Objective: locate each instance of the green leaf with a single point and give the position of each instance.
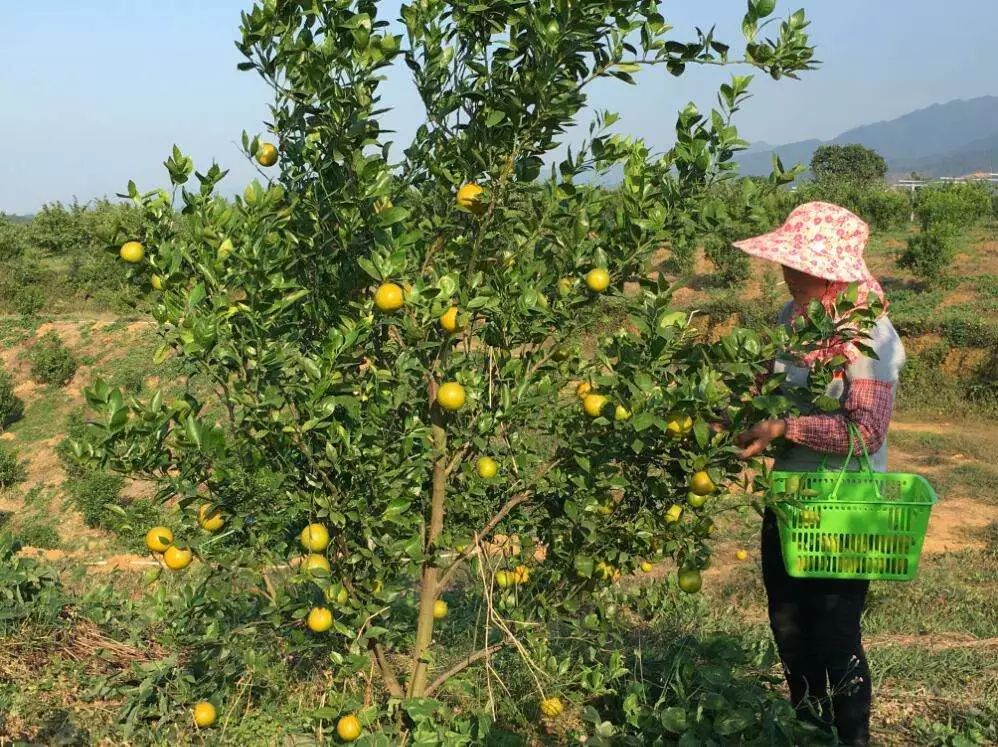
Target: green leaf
(584, 565)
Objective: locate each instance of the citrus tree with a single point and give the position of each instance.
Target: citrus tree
(450, 374)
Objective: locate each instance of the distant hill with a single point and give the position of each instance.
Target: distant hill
(949, 139)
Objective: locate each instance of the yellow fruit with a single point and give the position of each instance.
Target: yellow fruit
(504, 579)
(319, 620)
(224, 249)
(450, 396)
(157, 282)
(583, 389)
(521, 574)
(469, 198)
(621, 413)
(646, 566)
(448, 320)
(266, 154)
(159, 538)
(487, 467)
(177, 558)
(606, 571)
(132, 252)
(314, 537)
(315, 562)
(701, 484)
(348, 728)
(829, 544)
(598, 280)
(689, 580)
(673, 514)
(460, 547)
(696, 501)
(565, 286)
(552, 707)
(204, 714)
(741, 554)
(439, 609)
(389, 297)
(679, 425)
(210, 518)
(593, 404)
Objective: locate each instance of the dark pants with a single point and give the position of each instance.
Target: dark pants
(816, 626)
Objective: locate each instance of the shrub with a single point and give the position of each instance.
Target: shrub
(951, 207)
(94, 493)
(35, 532)
(28, 590)
(29, 301)
(11, 470)
(13, 240)
(11, 406)
(51, 361)
(731, 265)
(853, 162)
(928, 254)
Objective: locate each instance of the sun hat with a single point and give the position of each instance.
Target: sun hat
(819, 238)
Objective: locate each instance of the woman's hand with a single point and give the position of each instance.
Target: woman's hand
(757, 438)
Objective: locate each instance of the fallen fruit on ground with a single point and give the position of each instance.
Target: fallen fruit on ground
(204, 714)
(158, 539)
(696, 500)
(210, 518)
(521, 574)
(177, 558)
(450, 396)
(583, 389)
(132, 252)
(389, 297)
(689, 580)
(741, 554)
(266, 154)
(487, 467)
(646, 566)
(598, 280)
(348, 728)
(469, 198)
(552, 707)
(314, 537)
(504, 579)
(439, 609)
(319, 620)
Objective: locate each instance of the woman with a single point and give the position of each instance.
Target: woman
(816, 622)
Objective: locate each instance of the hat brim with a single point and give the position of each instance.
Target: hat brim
(777, 246)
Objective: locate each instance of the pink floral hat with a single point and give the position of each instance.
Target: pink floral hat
(821, 239)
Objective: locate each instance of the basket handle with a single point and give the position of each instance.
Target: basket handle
(854, 433)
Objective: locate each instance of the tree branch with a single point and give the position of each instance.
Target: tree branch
(386, 670)
(472, 658)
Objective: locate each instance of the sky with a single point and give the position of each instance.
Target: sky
(96, 92)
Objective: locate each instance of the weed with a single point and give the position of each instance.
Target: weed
(51, 360)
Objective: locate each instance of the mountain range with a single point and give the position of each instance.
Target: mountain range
(950, 139)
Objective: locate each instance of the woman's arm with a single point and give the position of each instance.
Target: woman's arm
(868, 405)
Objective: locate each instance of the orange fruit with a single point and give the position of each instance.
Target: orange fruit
(319, 620)
(505, 579)
(439, 609)
(695, 500)
(389, 297)
(315, 562)
(204, 714)
(673, 514)
(741, 554)
(157, 282)
(646, 566)
(679, 425)
(621, 413)
(469, 198)
(701, 484)
(598, 280)
(689, 580)
(521, 574)
(177, 558)
(132, 252)
(314, 537)
(348, 728)
(158, 539)
(487, 467)
(552, 707)
(210, 518)
(448, 320)
(450, 396)
(593, 404)
(266, 154)
(583, 389)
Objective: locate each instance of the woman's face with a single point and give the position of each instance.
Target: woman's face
(803, 287)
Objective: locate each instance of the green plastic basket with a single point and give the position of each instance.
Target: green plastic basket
(852, 525)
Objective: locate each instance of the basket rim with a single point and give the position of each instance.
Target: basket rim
(931, 497)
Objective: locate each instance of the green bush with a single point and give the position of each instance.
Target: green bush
(928, 254)
(11, 470)
(731, 265)
(952, 207)
(11, 406)
(28, 590)
(29, 301)
(36, 532)
(876, 203)
(13, 239)
(94, 493)
(51, 361)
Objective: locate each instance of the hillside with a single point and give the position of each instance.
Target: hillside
(948, 139)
